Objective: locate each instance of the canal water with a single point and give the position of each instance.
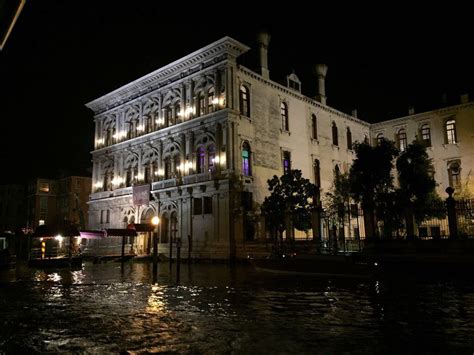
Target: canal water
(218, 309)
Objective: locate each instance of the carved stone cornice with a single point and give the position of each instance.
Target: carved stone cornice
(223, 49)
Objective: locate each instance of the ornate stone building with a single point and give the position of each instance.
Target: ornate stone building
(205, 133)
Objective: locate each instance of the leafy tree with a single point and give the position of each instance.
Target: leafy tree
(338, 199)
(416, 184)
(371, 179)
(291, 198)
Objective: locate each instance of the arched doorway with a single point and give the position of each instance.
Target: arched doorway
(146, 218)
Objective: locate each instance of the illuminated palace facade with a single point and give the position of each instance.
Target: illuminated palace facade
(205, 134)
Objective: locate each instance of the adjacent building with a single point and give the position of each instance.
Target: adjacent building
(12, 208)
(195, 142)
(54, 201)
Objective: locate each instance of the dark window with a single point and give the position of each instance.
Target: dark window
(197, 208)
(286, 162)
(349, 138)
(294, 85)
(207, 205)
(314, 127)
(246, 169)
(246, 199)
(284, 116)
(244, 101)
(335, 139)
(337, 172)
(379, 138)
(201, 160)
(167, 168)
(317, 173)
(107, 219)
(454, 173)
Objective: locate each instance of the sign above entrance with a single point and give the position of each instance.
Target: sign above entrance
(141, 195)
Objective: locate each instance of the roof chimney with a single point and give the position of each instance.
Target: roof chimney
(464, 98)
(354, 113)
(320, 70)
(411, 110)
(263, 39)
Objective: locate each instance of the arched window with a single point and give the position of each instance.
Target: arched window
(349, 138)
(246, 168)
(402, 139)
(210, 100)
(451, 132)
(244, 98)
(425, 134)
(149, 124)
(177, 165)
(335, 139)
(211, 157)
(454, 173)
(201, 160)
(167, 163)
(314, 127)
(317, 173)
(177, 112)
(284, 117)
(147, 176)
(168, 115)
(202, 104)
(128, 179)
(379, 138)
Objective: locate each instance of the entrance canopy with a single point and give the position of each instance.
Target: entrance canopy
(108, 232)
(141, 227)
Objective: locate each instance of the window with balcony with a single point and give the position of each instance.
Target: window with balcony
(201, 160)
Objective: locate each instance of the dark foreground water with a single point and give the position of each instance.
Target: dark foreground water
(217, 309)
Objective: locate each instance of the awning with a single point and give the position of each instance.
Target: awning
(92, 234)
(120, 233)
(141, 227)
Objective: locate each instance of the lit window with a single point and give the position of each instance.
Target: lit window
(335, 139)
(246, 159)
(210, 100)
(44, 186)
(426, 134)
(286, 162)
(211, 158)
(244, 101)
(314, 127)
(402, 139)
(177, 110)
(451, 132)
(202, 104)
(41, 222)
(284, 117)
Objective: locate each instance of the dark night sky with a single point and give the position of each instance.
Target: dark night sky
(63, 54)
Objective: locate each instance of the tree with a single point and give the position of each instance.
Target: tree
(371, 179)
(290, 201)
(416, 185)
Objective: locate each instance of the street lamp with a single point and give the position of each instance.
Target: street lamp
(155, 221)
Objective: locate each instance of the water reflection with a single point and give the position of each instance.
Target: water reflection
(218, 309)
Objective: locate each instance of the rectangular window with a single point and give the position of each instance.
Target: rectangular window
(246, 198)
(197, 207)
(207, 205)
(286, 162)
(43, 204)
(44, 186)
(451, 132)
(107, 220)
(102, 216)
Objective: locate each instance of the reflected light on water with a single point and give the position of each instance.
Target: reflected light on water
(156, 302)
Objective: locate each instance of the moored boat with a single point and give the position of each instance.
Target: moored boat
(316, 265)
